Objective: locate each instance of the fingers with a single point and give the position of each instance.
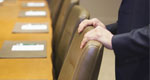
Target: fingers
(97, 22)
(93, 22)
(94, 34)
(83, 43)
(84, 24)
(99, 34)
(88, 36)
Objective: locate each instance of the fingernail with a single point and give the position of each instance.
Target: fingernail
(80, 47)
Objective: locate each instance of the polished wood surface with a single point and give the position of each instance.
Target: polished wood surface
(24, 69)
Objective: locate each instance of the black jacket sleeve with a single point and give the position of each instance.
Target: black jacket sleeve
(112, 27)
(134, 43)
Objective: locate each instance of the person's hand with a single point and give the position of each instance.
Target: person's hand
(99, 34)
(92, 22)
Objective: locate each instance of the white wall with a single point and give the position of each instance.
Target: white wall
(105, 10)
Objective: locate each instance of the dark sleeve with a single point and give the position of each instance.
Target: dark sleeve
(112, 27)
(134, 43)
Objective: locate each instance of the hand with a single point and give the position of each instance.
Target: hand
(99, 34)
(93, 22)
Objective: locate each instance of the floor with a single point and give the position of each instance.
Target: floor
(107, 12)
(107, 70)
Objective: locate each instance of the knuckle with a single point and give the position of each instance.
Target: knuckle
(88, 37)
(95, 19)
(85, 35)
(98, 35)
(97, 30)
(80, 25)
(85, 21)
